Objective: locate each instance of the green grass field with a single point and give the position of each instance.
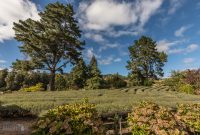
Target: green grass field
(106, 100)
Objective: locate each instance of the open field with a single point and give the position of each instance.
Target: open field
(106, 100)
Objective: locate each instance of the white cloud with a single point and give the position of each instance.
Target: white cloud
(175, 5)
(90, 53)
(12, 11)
(192, 47)
(106, 46)
(172, 47)
(188, 60)
(165, 45)
(95, 37)
(118, 60)
(2, 61)
(180, 31)
(103, 15)
(109, 60)
(106, 61)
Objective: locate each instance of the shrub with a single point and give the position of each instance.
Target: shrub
(14, 111)
(60, 82)
(74, 119)
(150, 118)
(115, 81)
(190, 116)
(187, 88)
(37, 87)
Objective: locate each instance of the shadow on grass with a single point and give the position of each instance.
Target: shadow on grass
(14, 111)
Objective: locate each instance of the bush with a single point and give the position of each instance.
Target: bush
(190, 115)
(150, 118)
(37, 87)
(60, 82)
(74, 119)
(187, 88)
(114, 81)
(14, 111)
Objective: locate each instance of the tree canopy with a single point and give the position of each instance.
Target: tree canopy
(53, 41)
(146, 62)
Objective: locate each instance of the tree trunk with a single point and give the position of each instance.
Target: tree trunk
(52, 81)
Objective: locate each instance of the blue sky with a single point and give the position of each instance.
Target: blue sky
(110, 26)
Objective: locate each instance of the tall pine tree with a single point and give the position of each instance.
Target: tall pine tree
(146, 62)
(53, 41)
(79, 75)
(95, 78)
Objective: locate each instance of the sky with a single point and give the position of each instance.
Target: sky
(109, 27)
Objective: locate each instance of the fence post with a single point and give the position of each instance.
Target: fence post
(120, 125)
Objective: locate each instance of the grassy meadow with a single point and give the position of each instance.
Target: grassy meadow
(117, 100)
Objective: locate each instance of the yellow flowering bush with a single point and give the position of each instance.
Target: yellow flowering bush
(37, 87)
(71, 119)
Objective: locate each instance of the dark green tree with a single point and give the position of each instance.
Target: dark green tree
(115, 81)
(15, 80)
(79, 75)
(25, 65)
(3, 75)
(146, 62)
(95, 78)
(60, 82)
(53, 41)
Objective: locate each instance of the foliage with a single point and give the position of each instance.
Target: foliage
(31, 79)
(60, 82)
(37, 87)
(75, 119)
(14, 111)
(145, 61)
(115, 81)
(25, 65)
(3, 74)
(192, 77)
(190, 116)
(181, 81)
(175, 80)
(14, 80)
(95, 77)
(79, 75)
(53, 41)
(150, 118)
(187, 88)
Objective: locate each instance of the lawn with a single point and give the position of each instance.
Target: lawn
(106, 100)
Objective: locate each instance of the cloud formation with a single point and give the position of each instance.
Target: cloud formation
(180, 31)
(175, 5)
(174, 48)
(101, 15)
(12, 11)
(109, 60)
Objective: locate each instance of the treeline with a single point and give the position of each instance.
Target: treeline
(81, 76)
